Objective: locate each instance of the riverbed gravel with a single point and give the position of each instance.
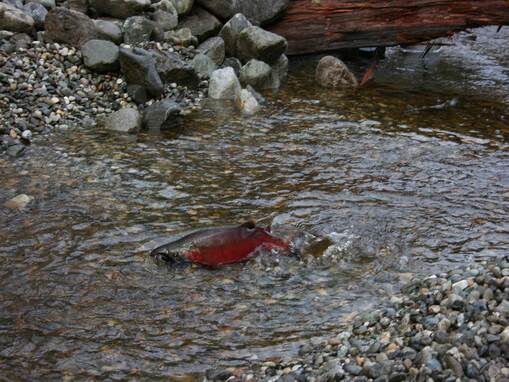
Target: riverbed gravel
(450, 326)
(45, 86)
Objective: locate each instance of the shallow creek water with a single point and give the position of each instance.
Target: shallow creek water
(409, 174)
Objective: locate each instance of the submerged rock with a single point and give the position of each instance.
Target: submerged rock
(247, 103)
(16, 150)
(255, 42)
(224, 84)
(127, 120)
(100, 56)
(138, 65)
(18, 202)
(279, 72)
(332, 72)
(67, 26)
(201, 23)
(162, 115)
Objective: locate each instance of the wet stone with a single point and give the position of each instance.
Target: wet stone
(374, 370)
(214, 49)
(218, 374)
(15, 150)
(100, 56)
(139, 67)
(353, 369)
(182, 36)
(162, 115)
(255, 42)
(18, 202)
(166, 20)
(108, 30)
(137, 29)
(201, 23)
(127, 120)
(234, 63)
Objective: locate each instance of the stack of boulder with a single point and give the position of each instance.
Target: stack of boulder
(200, 43)
(255, 60)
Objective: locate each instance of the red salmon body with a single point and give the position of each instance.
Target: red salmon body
(219, 246)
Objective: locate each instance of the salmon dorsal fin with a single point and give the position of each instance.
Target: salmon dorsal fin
(250, 224)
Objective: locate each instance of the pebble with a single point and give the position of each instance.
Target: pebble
(18, 202)
(27, 134)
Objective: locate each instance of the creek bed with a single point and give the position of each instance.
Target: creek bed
(408, 175)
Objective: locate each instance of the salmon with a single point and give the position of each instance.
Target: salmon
(218, 246)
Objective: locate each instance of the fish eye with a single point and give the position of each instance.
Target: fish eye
(249, 225)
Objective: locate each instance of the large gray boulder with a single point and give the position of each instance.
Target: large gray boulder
(119, 8)
(203, 65)
(182, 36)
(255, 42)
(172, 68)
(224, 84)
(259, 12)
(166, 20)
(331, 72)
(213, 48)
(100, 56)
(68, 26)
(230, 32)
(138, 65)
(137, 30)
(162, 115)
(255, 73)
(201, 23)
(15, 20)
(37, 12)
(127, 120)
(108, 30)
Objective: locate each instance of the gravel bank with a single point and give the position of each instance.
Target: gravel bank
(44, 86)
(451, 326)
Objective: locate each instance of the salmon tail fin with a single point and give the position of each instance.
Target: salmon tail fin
(162, 255)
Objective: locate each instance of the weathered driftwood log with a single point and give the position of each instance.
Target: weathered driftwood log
(321, 25)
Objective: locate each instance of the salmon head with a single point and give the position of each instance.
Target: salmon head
(261, 236)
